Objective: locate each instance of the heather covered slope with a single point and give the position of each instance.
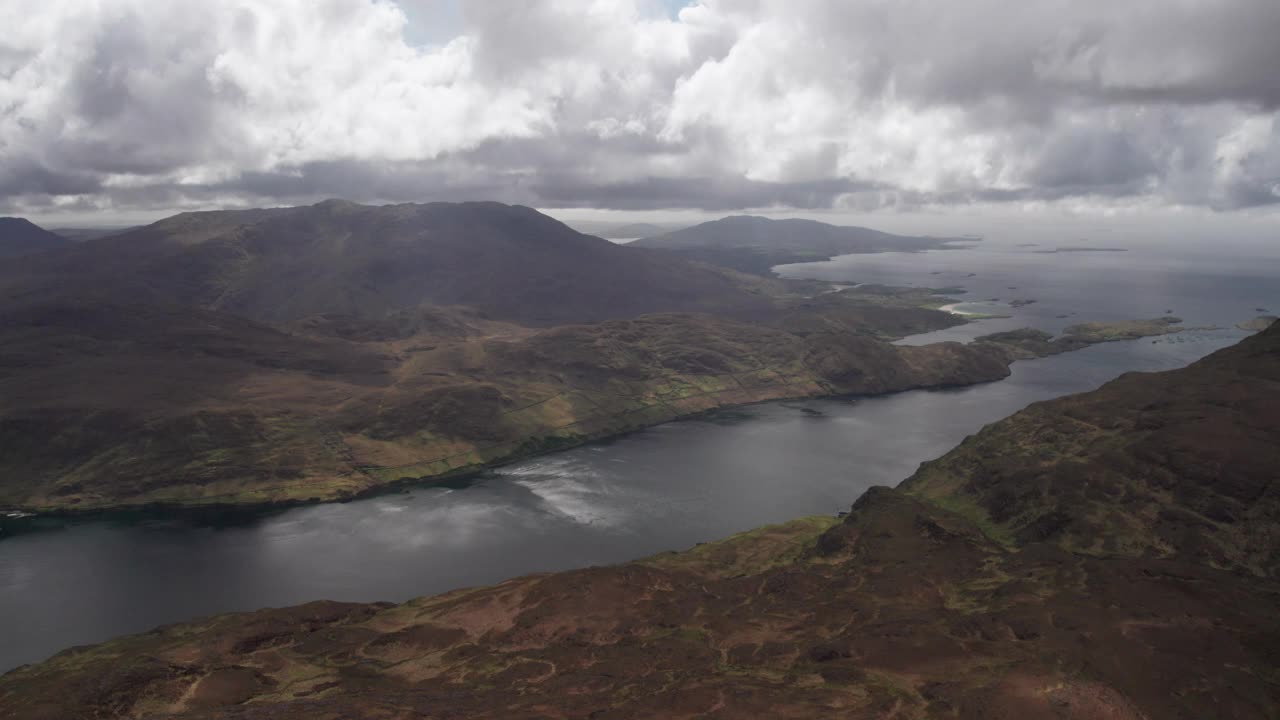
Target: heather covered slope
(19, 236)
(755, 244)
(1182, 464)
(920, 604)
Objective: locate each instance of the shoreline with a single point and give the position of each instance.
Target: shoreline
(392, 487)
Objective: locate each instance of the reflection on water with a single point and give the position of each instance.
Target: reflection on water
(668, 487)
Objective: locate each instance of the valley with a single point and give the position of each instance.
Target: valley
(987, 585)
(309, 354)
(678, 359)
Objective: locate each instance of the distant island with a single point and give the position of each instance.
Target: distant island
(1080, 249)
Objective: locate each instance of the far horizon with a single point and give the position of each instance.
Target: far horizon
(1147, 226)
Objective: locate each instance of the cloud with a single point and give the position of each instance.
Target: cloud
(128, 104)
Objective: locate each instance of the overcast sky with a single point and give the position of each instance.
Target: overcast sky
(113, 108)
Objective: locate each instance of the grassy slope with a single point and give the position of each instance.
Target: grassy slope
(914, 606)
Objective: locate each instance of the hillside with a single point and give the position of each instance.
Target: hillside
(1178, 464)
(23, 237)
(109, 406)
(1151, 593)
(755, 244)
(283, 265)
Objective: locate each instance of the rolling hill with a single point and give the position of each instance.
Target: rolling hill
(755, 244)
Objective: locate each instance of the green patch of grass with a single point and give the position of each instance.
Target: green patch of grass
(974, 513)
(751, 552)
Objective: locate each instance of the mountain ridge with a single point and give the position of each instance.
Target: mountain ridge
(283, 264)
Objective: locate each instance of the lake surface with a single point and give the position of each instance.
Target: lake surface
(66, 583)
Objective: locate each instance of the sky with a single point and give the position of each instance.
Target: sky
(118, 109)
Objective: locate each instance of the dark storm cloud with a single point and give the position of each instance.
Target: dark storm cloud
(1098, 161)
(18, 177)
(363, 181)
(718, 194)
(1047, 52)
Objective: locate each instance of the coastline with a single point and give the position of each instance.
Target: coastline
(217, 504)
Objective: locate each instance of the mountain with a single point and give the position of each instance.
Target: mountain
(19, 236)
(283, 265)
(756, 244)
(1106, 555)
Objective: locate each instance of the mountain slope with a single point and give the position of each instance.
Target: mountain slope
(283, 265)
(914, 606)
(1180, 464)
(19, 236)
(109, 406)
(755, 244)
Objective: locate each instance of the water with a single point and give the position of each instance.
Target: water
(1202, 283)
(68, 583)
